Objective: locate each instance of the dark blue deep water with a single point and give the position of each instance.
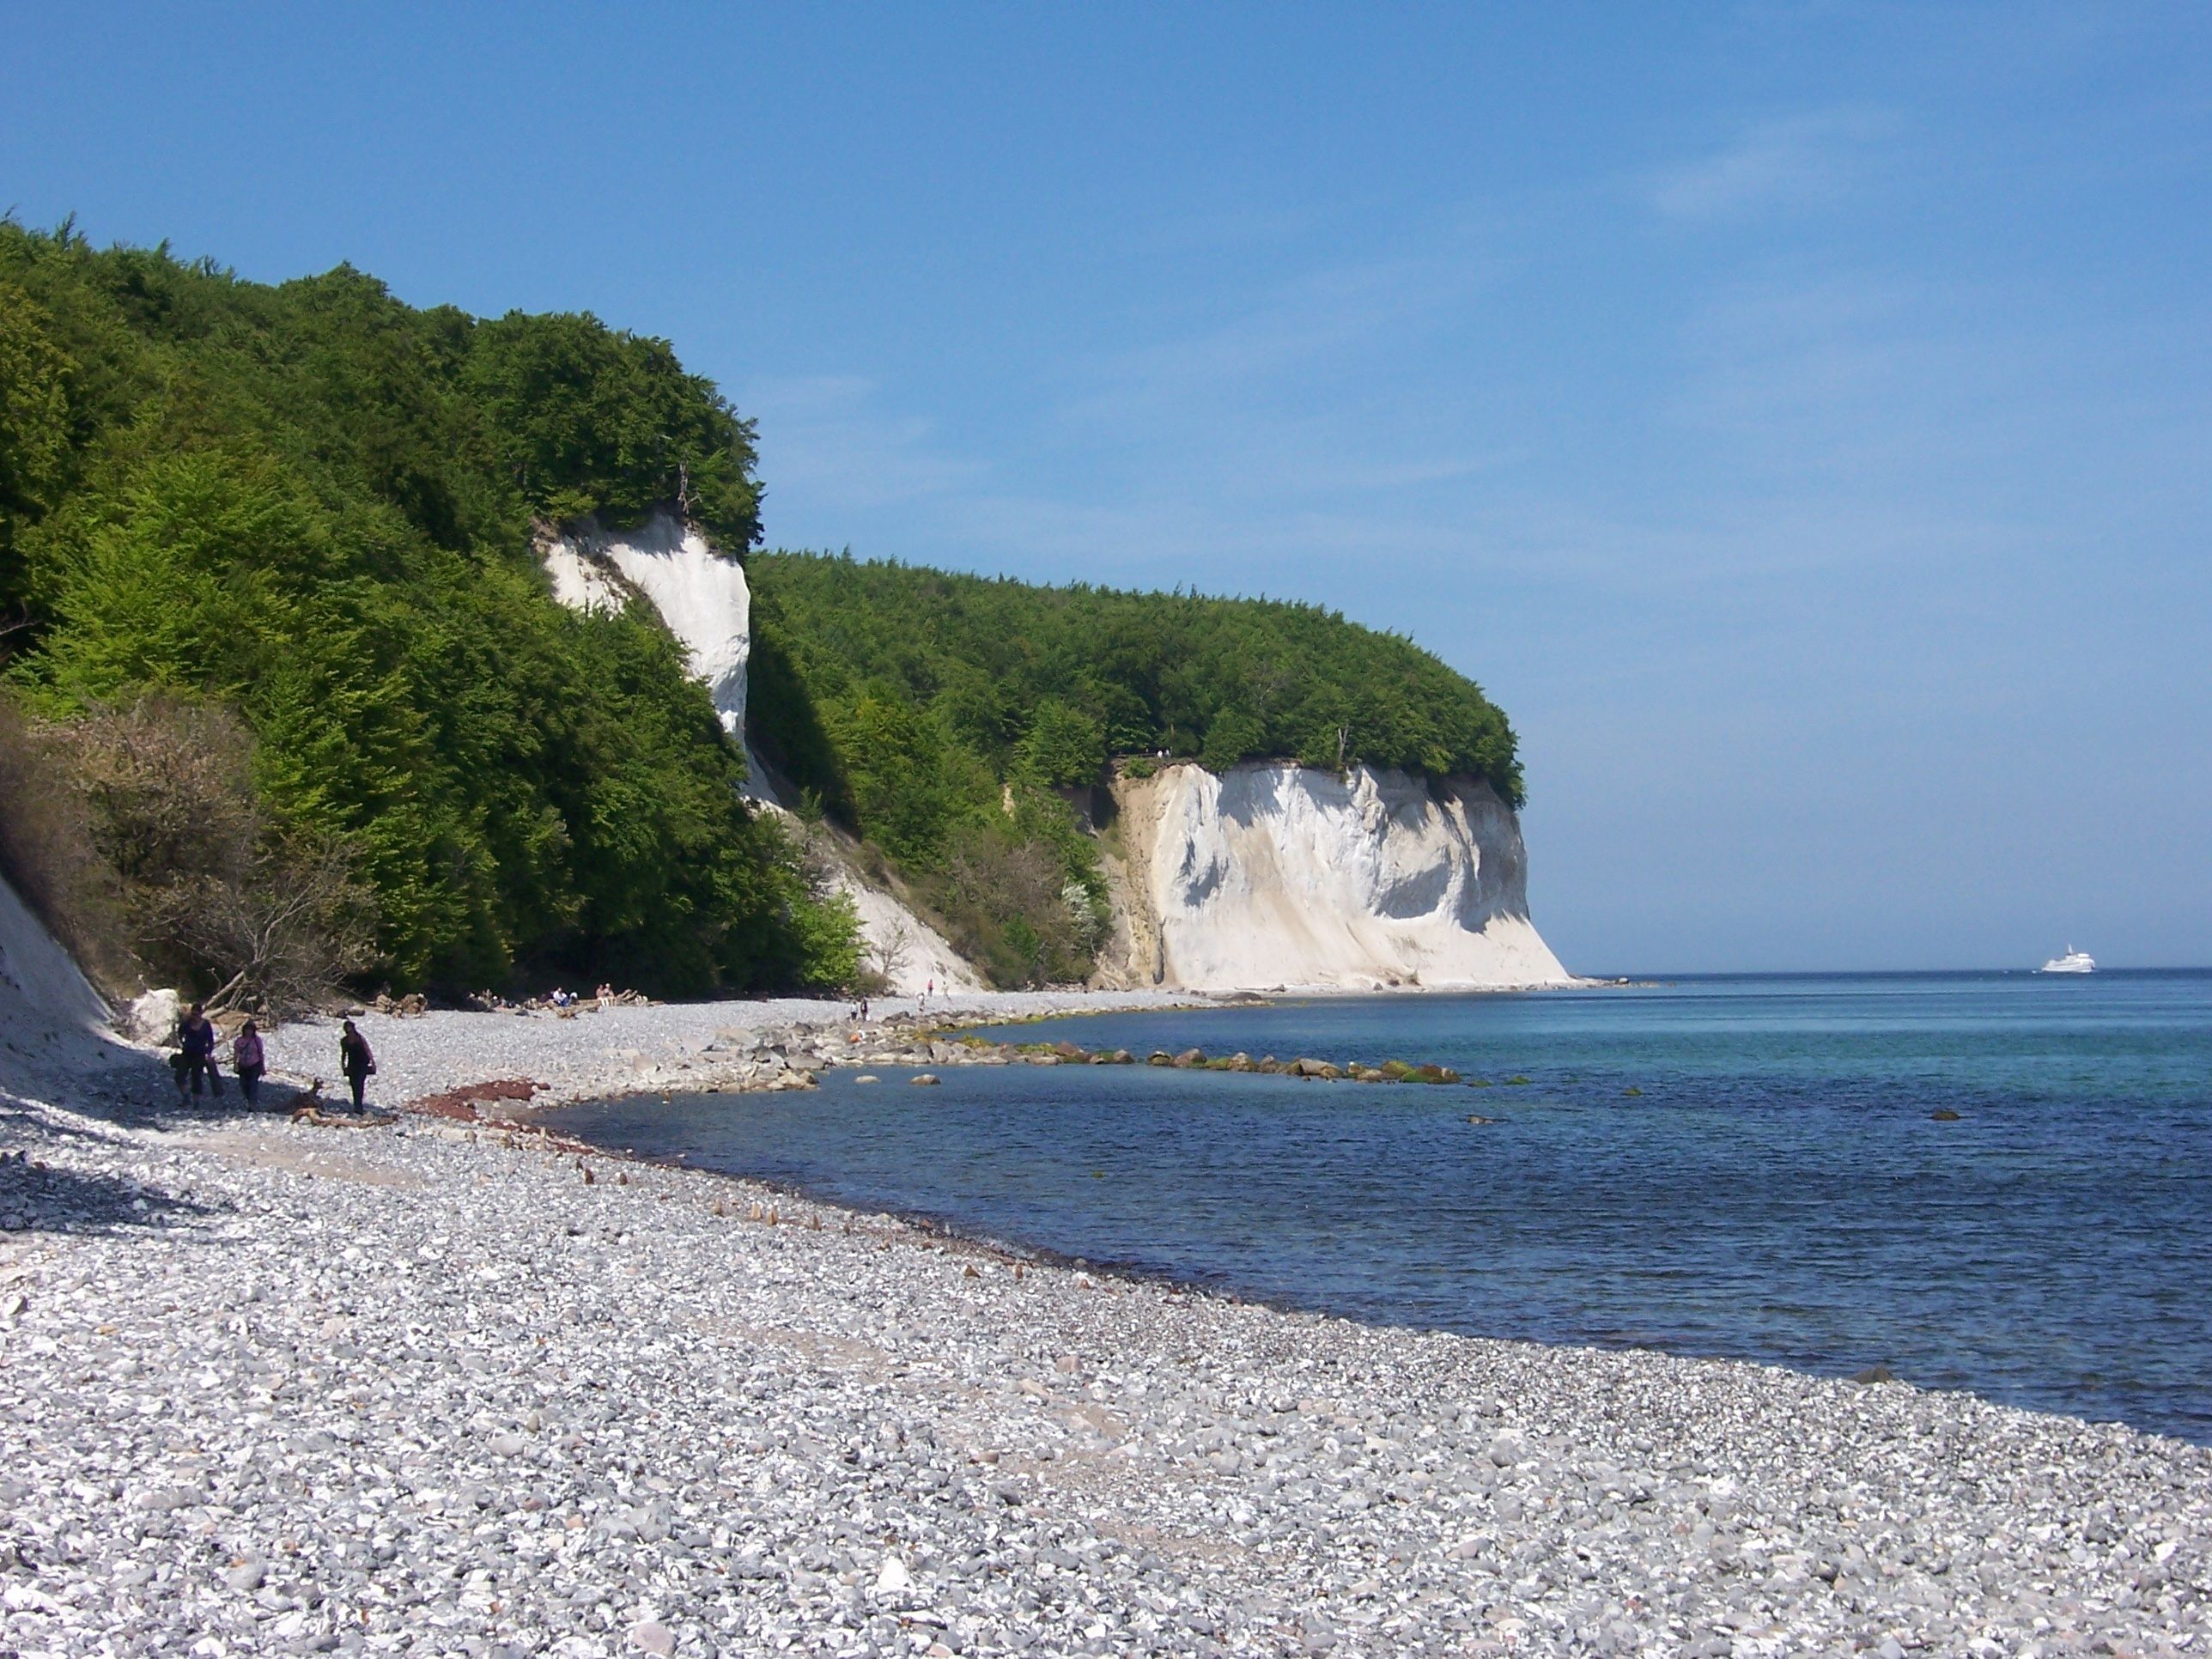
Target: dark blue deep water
(1777, 1190)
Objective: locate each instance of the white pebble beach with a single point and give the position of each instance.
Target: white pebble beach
(426, 1389)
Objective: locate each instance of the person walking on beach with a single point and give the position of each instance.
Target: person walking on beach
(195, 1037)
(356, 1061)
(247, 1062)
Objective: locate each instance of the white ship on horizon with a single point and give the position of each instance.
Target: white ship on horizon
(2073, 962)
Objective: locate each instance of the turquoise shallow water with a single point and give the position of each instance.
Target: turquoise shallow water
(1777, 1191)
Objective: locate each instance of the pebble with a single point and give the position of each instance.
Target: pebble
(272, 1388)
(656, 1046)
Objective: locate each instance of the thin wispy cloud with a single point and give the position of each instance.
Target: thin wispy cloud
(831, 434)
(1242, 441)
(1298, 329)
(1798, 161)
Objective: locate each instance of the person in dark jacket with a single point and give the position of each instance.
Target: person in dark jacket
(356, 1061)
(247, 1061)
(195, 1037)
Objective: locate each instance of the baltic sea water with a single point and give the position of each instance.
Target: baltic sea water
(1746, 1166)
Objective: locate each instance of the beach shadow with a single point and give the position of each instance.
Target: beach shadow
(135, 1089)
(38, 1198)
(120, 1089)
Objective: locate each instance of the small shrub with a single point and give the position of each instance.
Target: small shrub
(1006, 905)
(210, 893)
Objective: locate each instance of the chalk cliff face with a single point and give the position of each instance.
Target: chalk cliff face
(700, 596)
(1269, 874)
(1274, 874)
(911, 955)
(55, 1023)
(704, 600)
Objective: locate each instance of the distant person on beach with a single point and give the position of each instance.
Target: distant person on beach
(247, 1062)
(196, 1039)
(356, 1061)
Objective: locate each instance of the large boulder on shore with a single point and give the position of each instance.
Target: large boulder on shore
(153, 1017)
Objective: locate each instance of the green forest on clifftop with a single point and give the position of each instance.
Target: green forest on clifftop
(943, 717)
(275, 643)
(310, 506)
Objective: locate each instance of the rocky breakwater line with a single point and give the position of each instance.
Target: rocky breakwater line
(274, 1389)
(795, 1056)
(587, 1052)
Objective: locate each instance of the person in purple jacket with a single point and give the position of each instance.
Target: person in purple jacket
(247, 1061)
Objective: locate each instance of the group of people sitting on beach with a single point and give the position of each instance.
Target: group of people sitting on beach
(563, 999)
(199, 1072)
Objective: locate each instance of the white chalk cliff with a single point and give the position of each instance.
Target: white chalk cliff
(1269, 874)
(911, 955)
(702, 598)
(55, 1023)
(1274, 874)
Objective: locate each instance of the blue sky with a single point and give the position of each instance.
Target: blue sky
(1798, 416)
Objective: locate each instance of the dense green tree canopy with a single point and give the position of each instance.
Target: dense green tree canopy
(954, 721)
(315, 504)
(1059, 679)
